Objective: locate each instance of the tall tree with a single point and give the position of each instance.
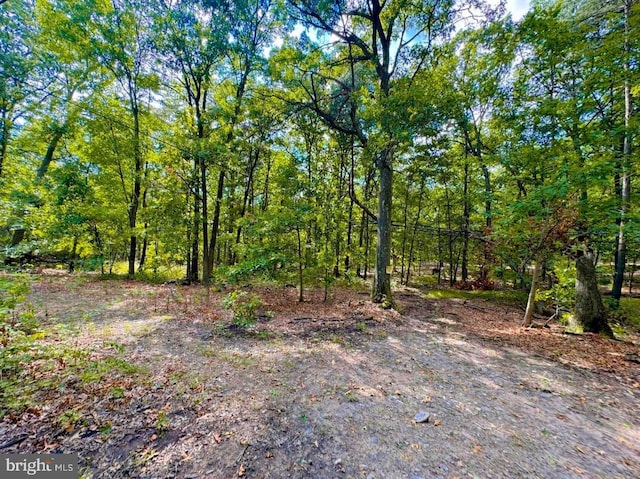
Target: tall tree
(192, 37)
(122, 45)
(390, 41)
(19, 87)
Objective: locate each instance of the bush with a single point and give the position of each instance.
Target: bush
(563, 292)
(244, 306)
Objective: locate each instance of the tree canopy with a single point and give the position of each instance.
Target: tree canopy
(311, 140)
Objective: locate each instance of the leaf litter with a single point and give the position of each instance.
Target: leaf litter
(322, 389)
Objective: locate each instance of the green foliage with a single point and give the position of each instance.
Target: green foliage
(562, 293)
(506, 297)
(244, 307)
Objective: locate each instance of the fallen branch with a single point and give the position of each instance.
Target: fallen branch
(14, 441)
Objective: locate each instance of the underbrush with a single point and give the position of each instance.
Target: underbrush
(35, 362)
(626, 317)
(503, 297)
(630, 307)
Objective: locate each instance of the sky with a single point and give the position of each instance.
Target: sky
(517, 8)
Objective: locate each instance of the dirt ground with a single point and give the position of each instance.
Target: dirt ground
(336, 389)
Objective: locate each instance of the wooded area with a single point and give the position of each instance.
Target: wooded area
(311, 140)
(320, 238)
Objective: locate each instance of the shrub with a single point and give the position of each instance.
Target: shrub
(244, 306)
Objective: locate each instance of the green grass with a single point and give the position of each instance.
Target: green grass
(630, 309)
(506, 297)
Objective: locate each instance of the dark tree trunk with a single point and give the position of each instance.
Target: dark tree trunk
(590, 314)
(465, 218)
(143, 254)
(625, 190)
(137, 181)
(349, 236)
(300, 266)
(51, 148)
(215, 227)
(382, 280)
(5, 130)
(253, 164)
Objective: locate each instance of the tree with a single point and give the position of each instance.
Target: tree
(193, 39)
(18, 86)
(122, 46)
(391, 41)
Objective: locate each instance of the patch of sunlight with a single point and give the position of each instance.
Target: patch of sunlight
(445, 321)
(455, 342)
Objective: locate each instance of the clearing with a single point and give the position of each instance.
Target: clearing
(150, 382)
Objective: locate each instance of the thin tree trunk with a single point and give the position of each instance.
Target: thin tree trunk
(531, 301)
(440, 248)
(207, 254)
(5, 132)
(215, 227)
(452, 278)
(465, 218)
(143, 253)
(137, 186)
(415, 230)
(349, 235)
(193, 273)
(253, 163)
(404, 233)
(300, 266)
(625, 196)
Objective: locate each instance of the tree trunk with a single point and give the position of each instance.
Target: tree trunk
(253, 164)
(347, 259)
(206, 253)
(4, 137)
(488, 223)
(531, 302)
(51, 148)
(382, 280)
(590, 314)
(415, 231)
(625, 192)
(465, 218)
(215, 226)
(137, 183)
(300, 266)
(143, 254)
(193, 272)
(404, 233)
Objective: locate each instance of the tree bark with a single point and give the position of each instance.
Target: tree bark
(382, 280)
(590, 314)
(51, 148)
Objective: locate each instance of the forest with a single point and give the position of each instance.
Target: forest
(320, 238)
(315, 140)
